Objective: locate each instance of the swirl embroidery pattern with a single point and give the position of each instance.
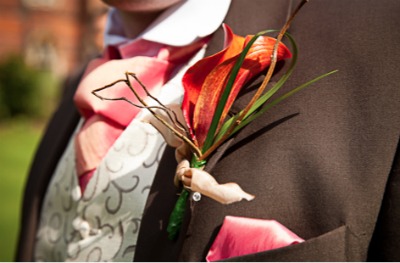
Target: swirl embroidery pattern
(103, 224)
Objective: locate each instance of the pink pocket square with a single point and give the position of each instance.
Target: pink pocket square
(240, 236)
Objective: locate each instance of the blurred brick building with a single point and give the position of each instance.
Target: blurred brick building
(56, 35)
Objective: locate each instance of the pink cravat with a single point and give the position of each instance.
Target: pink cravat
(241, 235)
(153, 64)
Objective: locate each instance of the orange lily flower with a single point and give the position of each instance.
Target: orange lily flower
(205, 81)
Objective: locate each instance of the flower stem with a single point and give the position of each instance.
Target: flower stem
(176, 217)
(178, 213)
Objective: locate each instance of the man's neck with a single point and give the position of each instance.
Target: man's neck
(136, 23)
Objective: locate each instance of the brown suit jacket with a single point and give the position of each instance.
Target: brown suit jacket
(323, 162)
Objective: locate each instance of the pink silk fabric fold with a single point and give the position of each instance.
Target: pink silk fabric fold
(239, 236)
(153, 64)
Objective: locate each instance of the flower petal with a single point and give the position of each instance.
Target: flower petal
(194, 78)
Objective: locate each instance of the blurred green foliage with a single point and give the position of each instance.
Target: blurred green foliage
(27, 98)
(18, 141)
(25, 91)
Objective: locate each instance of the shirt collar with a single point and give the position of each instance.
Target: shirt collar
(180, 25)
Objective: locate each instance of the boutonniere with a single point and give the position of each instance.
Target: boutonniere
(211, 87)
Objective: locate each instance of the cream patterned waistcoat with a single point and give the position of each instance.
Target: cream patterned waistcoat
(103, 223)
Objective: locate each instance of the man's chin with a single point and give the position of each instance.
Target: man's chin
(141, 5)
